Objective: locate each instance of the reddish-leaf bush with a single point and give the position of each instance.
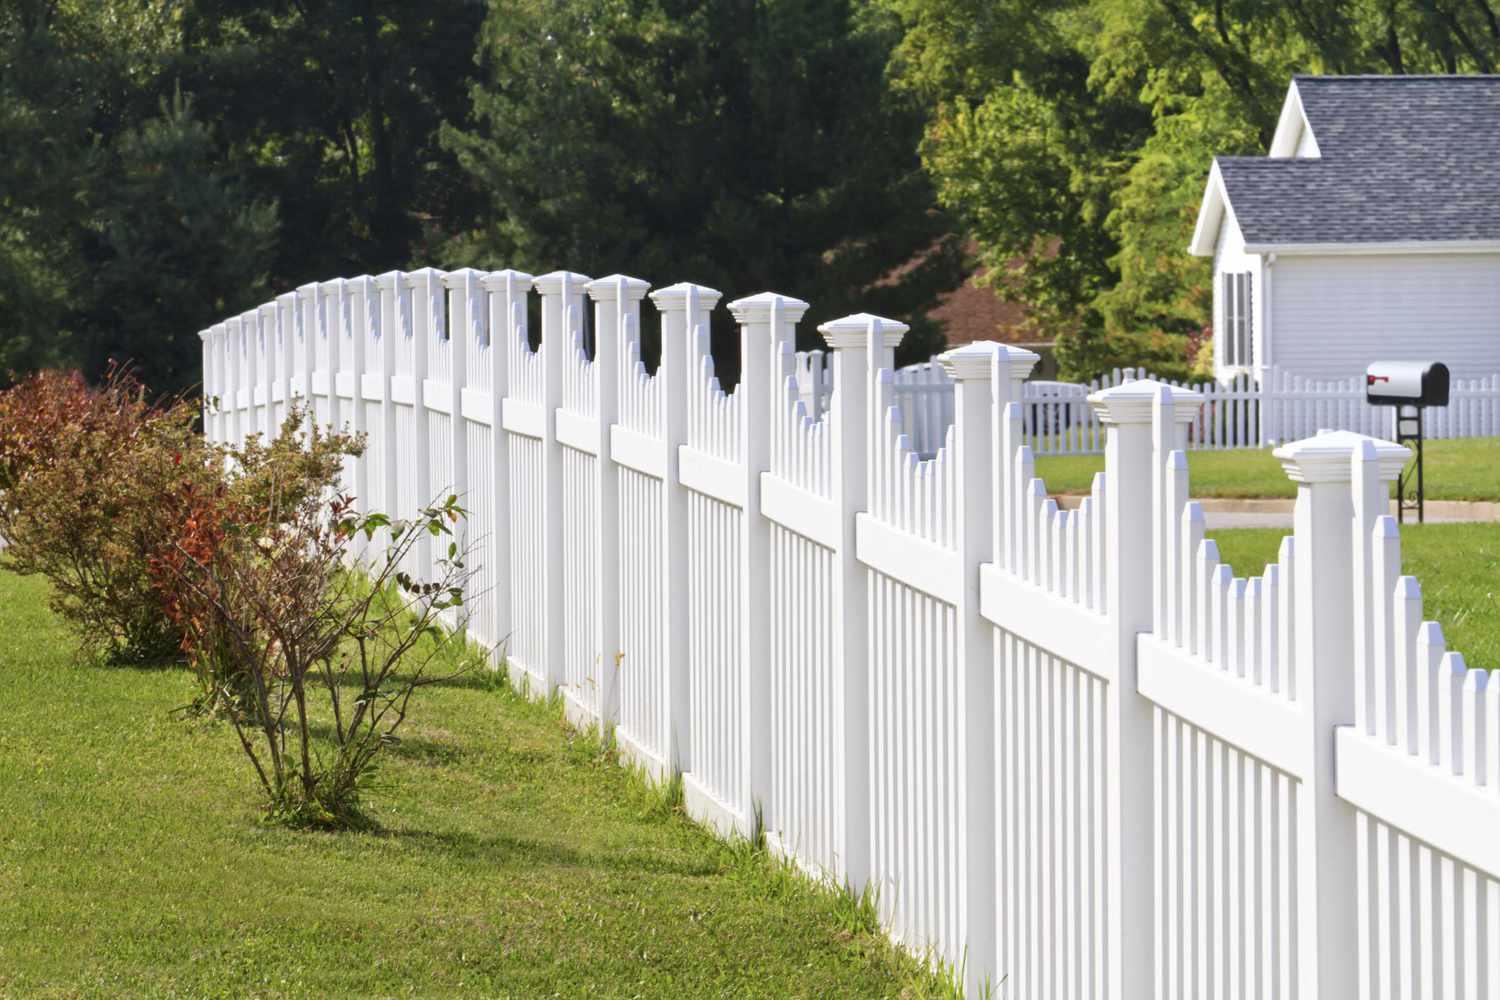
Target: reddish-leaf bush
(317, 664)
(263, 487)
(83, 474)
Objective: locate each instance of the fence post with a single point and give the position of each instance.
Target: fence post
(857, 341)
(386, 322)
(767, 321)
(465, 328)
(1130, 481)
(1324, 685)
(617, 309)
(428, 328)
(974, 369)
(311, 326)
(209, 339)
(507, 291)
(684, 311)
(265, 376)
(288, 344)
(348, 326)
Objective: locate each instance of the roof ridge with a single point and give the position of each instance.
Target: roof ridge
(1404, 77)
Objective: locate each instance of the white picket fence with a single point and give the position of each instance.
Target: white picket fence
(1073, 753)
(1240, 413)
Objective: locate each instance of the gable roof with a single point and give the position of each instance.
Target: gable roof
(1400, 160)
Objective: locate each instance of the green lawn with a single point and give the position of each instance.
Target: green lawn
(1458, 566)
(1461, 469)
(514, 861)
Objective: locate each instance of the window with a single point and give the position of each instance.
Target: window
(1238, 339)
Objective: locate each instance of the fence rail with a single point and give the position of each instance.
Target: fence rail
(1074, 753)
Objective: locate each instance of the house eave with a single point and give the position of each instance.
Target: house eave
(1358, 249)
(1211, 214)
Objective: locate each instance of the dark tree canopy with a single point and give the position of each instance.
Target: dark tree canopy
(745, 146)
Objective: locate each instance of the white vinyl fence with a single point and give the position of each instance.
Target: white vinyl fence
(1240, 413)
(1075, 755)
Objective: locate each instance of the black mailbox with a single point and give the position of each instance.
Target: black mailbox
(1410, 383)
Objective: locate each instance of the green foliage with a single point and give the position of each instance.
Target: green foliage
(184, 244)
(132, 217)
(749, 147)
(1020, 146)
(333, 111)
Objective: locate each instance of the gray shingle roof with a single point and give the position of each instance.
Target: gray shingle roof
(1404, 158)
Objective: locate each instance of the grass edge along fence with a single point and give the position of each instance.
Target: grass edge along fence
(1237, 413)
(1070, 750)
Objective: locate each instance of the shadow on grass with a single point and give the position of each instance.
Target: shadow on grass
(464, 846)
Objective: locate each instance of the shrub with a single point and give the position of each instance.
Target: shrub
(319, 664)
(83, 473)
(261, 484)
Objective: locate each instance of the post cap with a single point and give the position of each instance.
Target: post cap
(308, 290)
(455, 279)
(755, 307)
(1326, 457)
(855, 330)
(552, 283)
(971, 362)
(424, 274)
(1019, 360)
(607, 289)
(1135, 402)
(675, 297)
(388, 279)
(497, 281)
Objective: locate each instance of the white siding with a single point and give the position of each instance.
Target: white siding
(1230, 257)
(1333, 315)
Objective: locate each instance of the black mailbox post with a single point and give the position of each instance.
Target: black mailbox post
(1410, 387)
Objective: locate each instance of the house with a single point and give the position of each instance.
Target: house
(1371, 231)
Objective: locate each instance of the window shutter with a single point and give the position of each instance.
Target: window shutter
(1248, 351)
(1226, 336)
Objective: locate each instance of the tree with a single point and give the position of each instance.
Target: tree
(332, 110)
(1019, 145)
(747, 146)
(183, 245)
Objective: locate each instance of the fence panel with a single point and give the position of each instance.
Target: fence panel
(1422, 765)
(1075, 755)
(805, 813)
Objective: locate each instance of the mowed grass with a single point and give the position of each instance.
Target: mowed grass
(1460, 469)
(514, 859)
(1458, 566)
